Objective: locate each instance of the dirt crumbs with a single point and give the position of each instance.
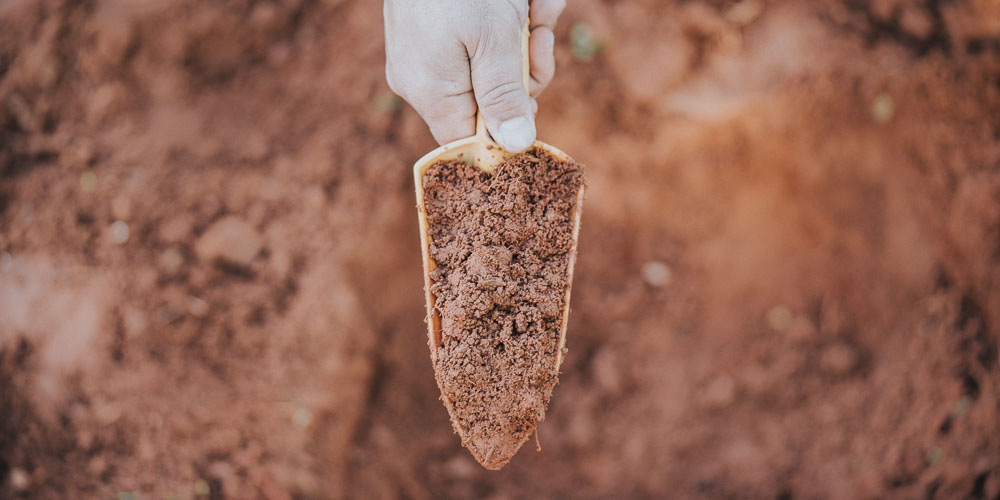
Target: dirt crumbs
(502, 242)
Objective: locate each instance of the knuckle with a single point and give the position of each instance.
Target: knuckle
(453, 108)
(501, 97)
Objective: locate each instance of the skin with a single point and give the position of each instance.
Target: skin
(448, 58)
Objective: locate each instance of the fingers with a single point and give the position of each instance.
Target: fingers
(546, 12)
(543, 60)
(449, 110)
(450, 118)
(499, 88)
(429, 68)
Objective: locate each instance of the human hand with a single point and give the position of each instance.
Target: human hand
(448, 58)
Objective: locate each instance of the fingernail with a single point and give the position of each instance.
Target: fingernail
(516, 134)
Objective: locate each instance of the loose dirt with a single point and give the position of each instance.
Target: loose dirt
(502, 243)
(788, 282)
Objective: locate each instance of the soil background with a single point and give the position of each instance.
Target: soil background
(788, 282)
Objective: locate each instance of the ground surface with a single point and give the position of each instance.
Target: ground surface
(788, 285)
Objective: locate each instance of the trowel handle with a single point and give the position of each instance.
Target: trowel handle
(481, 133)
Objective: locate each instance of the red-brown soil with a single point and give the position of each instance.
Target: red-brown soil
(788, 281)
(502, 242)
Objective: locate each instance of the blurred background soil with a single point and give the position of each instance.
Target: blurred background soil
(788, 282)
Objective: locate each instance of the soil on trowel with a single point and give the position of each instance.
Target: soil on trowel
(502, 242)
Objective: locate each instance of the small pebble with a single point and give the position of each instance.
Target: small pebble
(585, 46)
(19, 479)
(838, 359)
(721, 392)
(107, 413)
(461, 467)
(134, 321)
(97, 466)
(301, 418)
(779, 318)
(88, 182)
(171, 260)
(916, 21)
(883, 109)
(197, 307)
(745, 12)
(229, 239)
(118, 232)
(963, 406)
(201, 488)
(935, 455)
(656, 273)
(387, 102)
(607, 372)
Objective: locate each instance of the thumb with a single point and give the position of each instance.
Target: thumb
(499, 86)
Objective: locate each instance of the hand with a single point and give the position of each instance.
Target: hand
(448, 58)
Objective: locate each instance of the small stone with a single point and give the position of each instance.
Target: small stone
(302, 417)
(882, 9)
(81, 152)
(387, 102)
(171, 260)
(201, 488)
(460, 467)
(102, 101)
(963, 406)
(585, 46)
(88, 182)
(656, 274)
(720, 393)
(745, 12)
(229, 239)
(19, 479)
(916, 21)
(264, 16)
(935, 455)
(118, 232)
(84, 439)
(197, 307)
(97, 466)
(607, 374)
(838, 359)
(779, 318)
(883, 109)
(107, 413)
(21, 112)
